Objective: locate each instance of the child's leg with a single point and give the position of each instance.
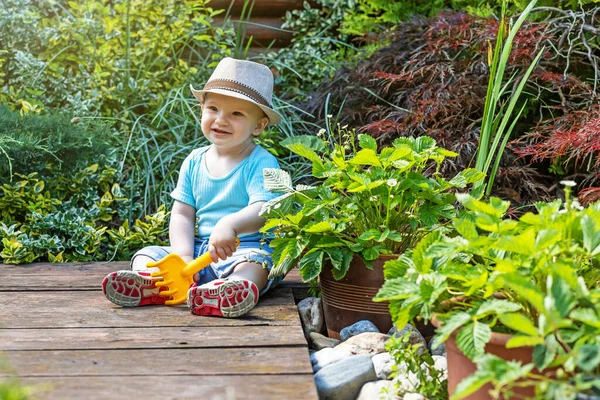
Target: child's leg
(231, 297)
(252, 272)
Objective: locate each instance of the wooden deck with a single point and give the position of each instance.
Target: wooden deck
(60, 334)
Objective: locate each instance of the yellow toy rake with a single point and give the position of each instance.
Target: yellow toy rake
(178, 275)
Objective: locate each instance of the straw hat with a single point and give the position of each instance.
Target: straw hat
(244, 80)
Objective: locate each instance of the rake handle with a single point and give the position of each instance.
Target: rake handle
(201, 262)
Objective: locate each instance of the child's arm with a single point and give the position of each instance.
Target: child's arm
(182, 230)
(222, 238)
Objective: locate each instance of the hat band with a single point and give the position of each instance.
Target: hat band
(239, 88)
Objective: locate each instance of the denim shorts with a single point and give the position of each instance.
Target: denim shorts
(247, 251)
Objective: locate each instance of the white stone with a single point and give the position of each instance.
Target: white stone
(369, 343)
(407, 382)
(378, 390)
(383, 363)
(413, 396)
(327, 356)
(440, 363)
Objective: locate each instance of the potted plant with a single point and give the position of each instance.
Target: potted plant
(503, 290)
(365, 204)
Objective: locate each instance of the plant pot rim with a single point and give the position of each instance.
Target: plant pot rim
(497, 338)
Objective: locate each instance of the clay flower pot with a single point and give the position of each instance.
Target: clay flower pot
(350, 299)
(460, 366)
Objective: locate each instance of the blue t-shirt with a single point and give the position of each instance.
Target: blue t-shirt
(213, 198)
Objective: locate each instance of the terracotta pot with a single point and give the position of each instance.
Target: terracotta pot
(350, 299)
(460, 366)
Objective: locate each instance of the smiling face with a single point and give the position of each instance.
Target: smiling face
(230, 123)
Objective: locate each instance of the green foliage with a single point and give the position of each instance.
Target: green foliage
(495, 129)
(534, 278)
(104, 56)
(430, 382)
(30, 143)
(317, 48)
(71, 218)
(366, 201)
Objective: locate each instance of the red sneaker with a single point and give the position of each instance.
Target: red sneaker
(223, 298)
(132, 288)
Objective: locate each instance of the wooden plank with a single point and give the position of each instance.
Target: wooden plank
(78, 276)
(199, 362)
(232, 387)
(51, 268)
(91, 309)
(147, 338)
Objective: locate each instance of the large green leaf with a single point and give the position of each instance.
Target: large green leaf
(526, 289)
(496, 306)
(591, 235)
(586, 315)
(366, 157)
(311, 265)
(466, 228)
(465, 177)
(431, 287)
(319, 227)
(344, 264)
(305, 152)
(456, 320)
(397, 289)
(521, 341)
(519, 323)
(367, 142)
(397, 268)
(472, 338)
(470, 384)
(546, 238)
(588, 357)
(310, 141)
(543, 356)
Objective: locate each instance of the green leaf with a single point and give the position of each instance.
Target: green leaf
(453, 323)
(521, 341)
(587, 316)
(397, 289)
(472, 338)
(323, 226)
(367, 142)
(495, 207)
(397, 268)
(421, 261)
(305, 152)
(497, 306)
(526, 290)
(311, 265)
(465, 177)
(328, 241)
(344, 264)
(38, 187)
(310, 141)
(591, 235)
(370, 253)
(546, 238)
(431, 287)
(588, 357)
(470, 384)
(465, 228)
(366, 157)
(519, 323)
(542, 356)
(561, 295)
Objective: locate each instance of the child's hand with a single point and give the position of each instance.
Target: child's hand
(221, 243)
